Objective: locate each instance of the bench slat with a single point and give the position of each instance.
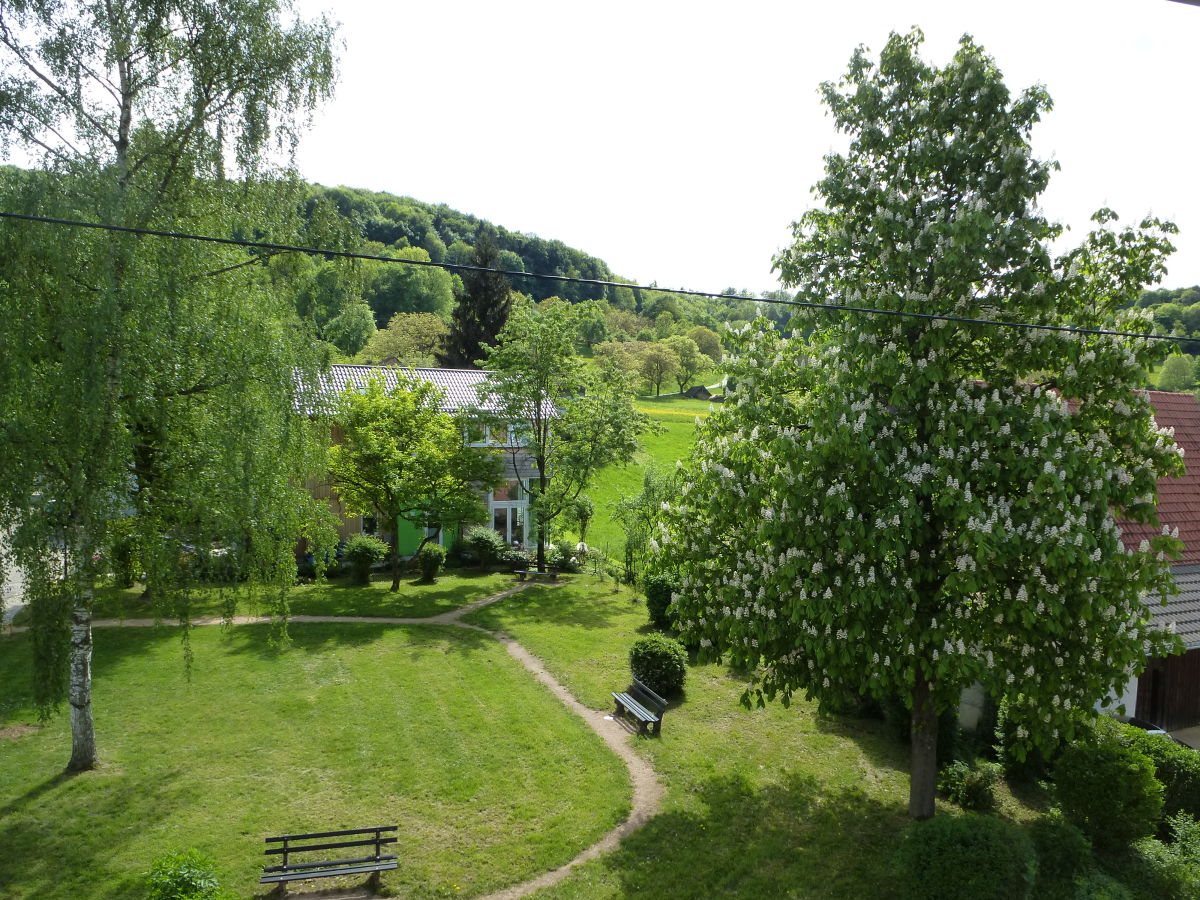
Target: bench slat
(334, 845)
(325, 834)
(328, 873)
(632, 706)
(358, 860)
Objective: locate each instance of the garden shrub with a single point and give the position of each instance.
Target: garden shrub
(431, 559)
(517, 559)
(360, 553)
(1064, 856)
(564, 556)
(1020, 761)
(970, 857)
(1176, 767)
(1169, 870)
(658, 589)
(186, 875)
(660, 663)
(1108, 791)
(971, 786)
(486, 545)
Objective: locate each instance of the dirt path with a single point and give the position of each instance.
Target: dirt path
(647, 791)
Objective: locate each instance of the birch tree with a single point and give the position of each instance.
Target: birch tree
(897, 506)
(145, 380)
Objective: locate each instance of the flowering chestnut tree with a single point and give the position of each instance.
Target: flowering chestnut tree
(890, 505)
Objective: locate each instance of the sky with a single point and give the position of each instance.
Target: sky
(678, 141)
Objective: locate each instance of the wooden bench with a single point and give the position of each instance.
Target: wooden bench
(535, 575)
(643, 704)
(328, 868)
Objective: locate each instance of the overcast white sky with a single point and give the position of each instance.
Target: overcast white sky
(677, 141)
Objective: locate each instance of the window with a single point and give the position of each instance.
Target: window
(508, 505)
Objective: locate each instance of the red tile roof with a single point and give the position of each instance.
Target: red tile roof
(1178, 498)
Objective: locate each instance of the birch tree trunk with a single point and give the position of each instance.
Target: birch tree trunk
(83, 731)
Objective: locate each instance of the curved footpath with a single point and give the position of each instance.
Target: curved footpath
(647, 791)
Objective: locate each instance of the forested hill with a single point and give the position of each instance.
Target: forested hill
(448, 235)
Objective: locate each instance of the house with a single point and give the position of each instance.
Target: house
(1167, 693)
(507, 505)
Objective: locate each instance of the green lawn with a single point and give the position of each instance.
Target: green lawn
(491, 780)
(333, 598)
(769, 802)
(678, 418)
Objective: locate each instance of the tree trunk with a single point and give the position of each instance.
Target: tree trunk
(396, 566)
(83, 732)
(923, 770)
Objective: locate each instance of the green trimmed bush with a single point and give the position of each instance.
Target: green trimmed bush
(361, 552)
(185, 875)
(968, 857)
(431, 559)
(660, 663)
(485, 545)
(1169, 871)
(1064, 856)
(1176, 767)
(971, 786)
(1108, 791)
(658, 589)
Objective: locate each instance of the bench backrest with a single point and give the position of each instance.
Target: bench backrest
(647, 697)
(296, 843)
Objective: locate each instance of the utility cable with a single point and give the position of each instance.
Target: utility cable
(595, 282)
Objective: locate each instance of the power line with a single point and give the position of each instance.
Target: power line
(596, 282)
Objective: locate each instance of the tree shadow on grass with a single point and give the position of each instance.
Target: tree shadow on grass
(60, 835)
(790, 839)
(553, 606)
(874, 737)
(303, 637)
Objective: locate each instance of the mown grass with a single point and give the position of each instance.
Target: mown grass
(678, 417)
(336, 597)
(774, 802)
(437, 729)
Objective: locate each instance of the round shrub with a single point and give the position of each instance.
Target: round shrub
(431, 559)
(969, 857)
(1064, 856)
(187, 875)
(1176, 767)
(1108, 791)
(361, 552)
(658, 589)
(660, 663)
(971, 787)
(486, 545)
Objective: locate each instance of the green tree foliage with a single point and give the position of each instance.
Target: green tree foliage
(149, 383)
(482, 309)
(1178, 373)
(412, 339)
(392, 288)
(894, 506)
(691, 361)
(709, 343)
(573, 423)
(351, 329)
(401, 457)
(657, 363)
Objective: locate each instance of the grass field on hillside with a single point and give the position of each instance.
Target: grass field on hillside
(678, 417)
(438, 729)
